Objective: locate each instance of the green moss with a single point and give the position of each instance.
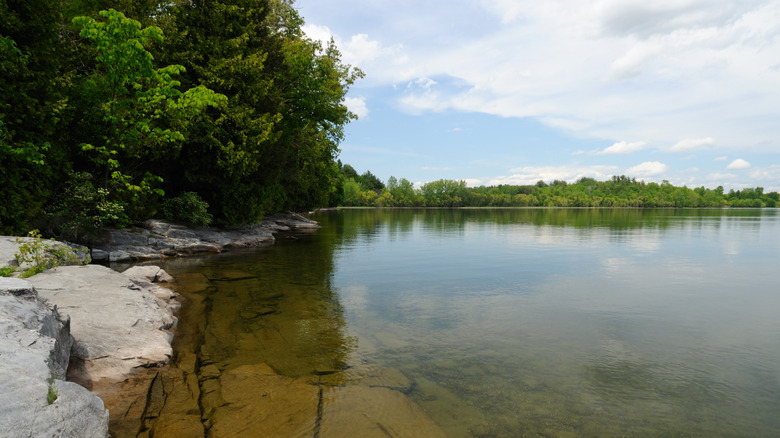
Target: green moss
(51, 396)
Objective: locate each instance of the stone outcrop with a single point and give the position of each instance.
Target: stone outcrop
(158, 239)
(9, 247)
(35, 345)
(118, 325)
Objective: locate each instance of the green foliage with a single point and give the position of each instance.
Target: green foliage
(352, 193)
(273, 146)
(141, 105)
(236, 104)
(619, 191)
(82, 209)
(7, 271)
(187, 208)
(40, 255)
(51, 395)
(370, 182)
(30, 103)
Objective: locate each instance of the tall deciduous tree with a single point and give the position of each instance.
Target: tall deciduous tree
(143, 111)
(274, 146)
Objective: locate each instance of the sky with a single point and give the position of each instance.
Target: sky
(514, 91)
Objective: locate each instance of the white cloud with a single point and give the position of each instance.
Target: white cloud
(648, 168)
(530, 174)
(632, 62)
(318, 33)
(360, 49)
(682, 66)
(686, 77)
(692, 144)
(719, 178)
(738, 164)
(424, 83)
(771, 173)
(385, 63)
(623, 147)
(357, 105)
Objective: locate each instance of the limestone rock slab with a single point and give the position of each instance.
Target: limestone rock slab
(35, 344)
(117, 324)
(158, 239)
(367, 412)
(252, 400)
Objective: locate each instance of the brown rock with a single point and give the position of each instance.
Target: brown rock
(360, 411)
(259, 403)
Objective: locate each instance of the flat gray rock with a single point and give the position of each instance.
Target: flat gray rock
(8, 248)
(117, 324)
(35, 344)
(158, 239)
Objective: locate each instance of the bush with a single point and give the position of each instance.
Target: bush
(82, 210)
(38, 255)
(187, 208)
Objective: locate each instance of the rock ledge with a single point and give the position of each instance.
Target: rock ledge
(35, 345)
(158, 239)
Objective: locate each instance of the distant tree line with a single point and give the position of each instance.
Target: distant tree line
(201, 111)
(620, 191)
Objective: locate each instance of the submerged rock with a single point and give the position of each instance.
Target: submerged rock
(373, 412)
(252, 400)
(35, 344)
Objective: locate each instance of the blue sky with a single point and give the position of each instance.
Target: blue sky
(514, 91)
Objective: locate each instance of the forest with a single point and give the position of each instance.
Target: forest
(366, 190)
(113, 112)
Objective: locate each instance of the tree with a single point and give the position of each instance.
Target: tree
(143, 110)
(370, 182)
(352, 193)
(30, 103)
(274, 145)
(349, 172)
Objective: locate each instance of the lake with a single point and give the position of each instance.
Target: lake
(503, 322)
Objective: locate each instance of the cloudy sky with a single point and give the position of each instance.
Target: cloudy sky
(514, 91)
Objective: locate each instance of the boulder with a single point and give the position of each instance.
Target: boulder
(35, 343)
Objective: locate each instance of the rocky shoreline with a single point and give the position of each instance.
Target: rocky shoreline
(98, 324)
(158, 240)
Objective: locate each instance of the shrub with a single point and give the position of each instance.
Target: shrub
(40, 256)
(82, 210)
(187, 208)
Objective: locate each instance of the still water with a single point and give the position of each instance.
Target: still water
(510, 322)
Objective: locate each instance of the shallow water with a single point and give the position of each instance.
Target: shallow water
(508, 322)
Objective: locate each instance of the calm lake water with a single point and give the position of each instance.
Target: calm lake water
(519, 322)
